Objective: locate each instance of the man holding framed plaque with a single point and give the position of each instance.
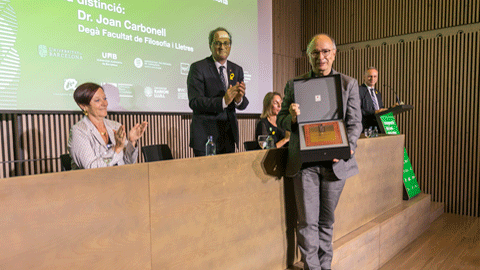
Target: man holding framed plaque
(318, 184)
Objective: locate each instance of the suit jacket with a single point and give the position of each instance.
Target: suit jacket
(205, 95)
(368, 110)
(352, 117)
(85, 145)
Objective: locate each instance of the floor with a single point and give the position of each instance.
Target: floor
(451, 242)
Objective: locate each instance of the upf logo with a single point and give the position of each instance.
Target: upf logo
(69, 84)
(42, 50)
(109, 55)
(318, 98)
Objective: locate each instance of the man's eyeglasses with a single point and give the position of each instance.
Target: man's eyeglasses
(316, 53)
(219, 44)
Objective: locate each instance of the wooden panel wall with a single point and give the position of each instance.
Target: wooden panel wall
(42, 138)
(440, 78)
(362, 20)
(286, 41)
(7, 166)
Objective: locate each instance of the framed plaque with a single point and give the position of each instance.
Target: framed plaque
(322, 131)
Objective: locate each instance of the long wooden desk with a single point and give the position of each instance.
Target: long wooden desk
(220, 212)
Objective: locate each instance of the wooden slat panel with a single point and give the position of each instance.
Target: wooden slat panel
(45, 137)
(6, 145)
(357, 21)
(440, 78)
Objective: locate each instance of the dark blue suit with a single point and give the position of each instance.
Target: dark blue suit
(368, 110)
(205, 94)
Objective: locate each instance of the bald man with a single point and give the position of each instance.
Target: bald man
(318, 185)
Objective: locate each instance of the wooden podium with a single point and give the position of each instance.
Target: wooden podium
(394, 110)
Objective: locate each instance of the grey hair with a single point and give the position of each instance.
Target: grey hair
(370, 68)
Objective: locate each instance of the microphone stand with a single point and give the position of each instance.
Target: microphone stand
(398, 99)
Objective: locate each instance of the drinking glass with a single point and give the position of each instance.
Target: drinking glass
(107, 153)
(270, 143)
(262, 141)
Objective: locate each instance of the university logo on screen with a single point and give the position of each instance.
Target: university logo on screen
(45, 51)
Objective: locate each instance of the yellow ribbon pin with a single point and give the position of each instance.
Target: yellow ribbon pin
(231, 76)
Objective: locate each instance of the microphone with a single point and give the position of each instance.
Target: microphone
(398, 99)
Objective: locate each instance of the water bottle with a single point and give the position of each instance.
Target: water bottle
(210, 147)
(368, 132)
(375, 132)
(270, 143)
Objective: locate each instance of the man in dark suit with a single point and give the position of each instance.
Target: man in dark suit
(371, 99)
(318, 185)
(215, 90)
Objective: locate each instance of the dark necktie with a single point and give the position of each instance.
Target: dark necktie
(222, 78)
(374, 98)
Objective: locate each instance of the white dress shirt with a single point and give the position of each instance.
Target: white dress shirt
(225, 75)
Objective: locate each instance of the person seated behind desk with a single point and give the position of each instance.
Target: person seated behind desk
(267, 125)
(91, 135)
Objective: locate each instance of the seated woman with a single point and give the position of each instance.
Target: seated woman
(267, 125)
(94, 135)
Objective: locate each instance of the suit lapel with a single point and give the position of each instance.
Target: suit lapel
(377, 94)
(344, 95)
(231, 74)
(94, 131)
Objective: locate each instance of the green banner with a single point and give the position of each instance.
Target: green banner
(409, 179)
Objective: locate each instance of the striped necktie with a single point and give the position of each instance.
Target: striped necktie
(374, 98)
(222, 77)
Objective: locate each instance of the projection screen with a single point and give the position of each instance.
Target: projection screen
(139, 51)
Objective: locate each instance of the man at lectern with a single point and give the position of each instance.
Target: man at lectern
(215, 91)
(371, 98)
(318, 185)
